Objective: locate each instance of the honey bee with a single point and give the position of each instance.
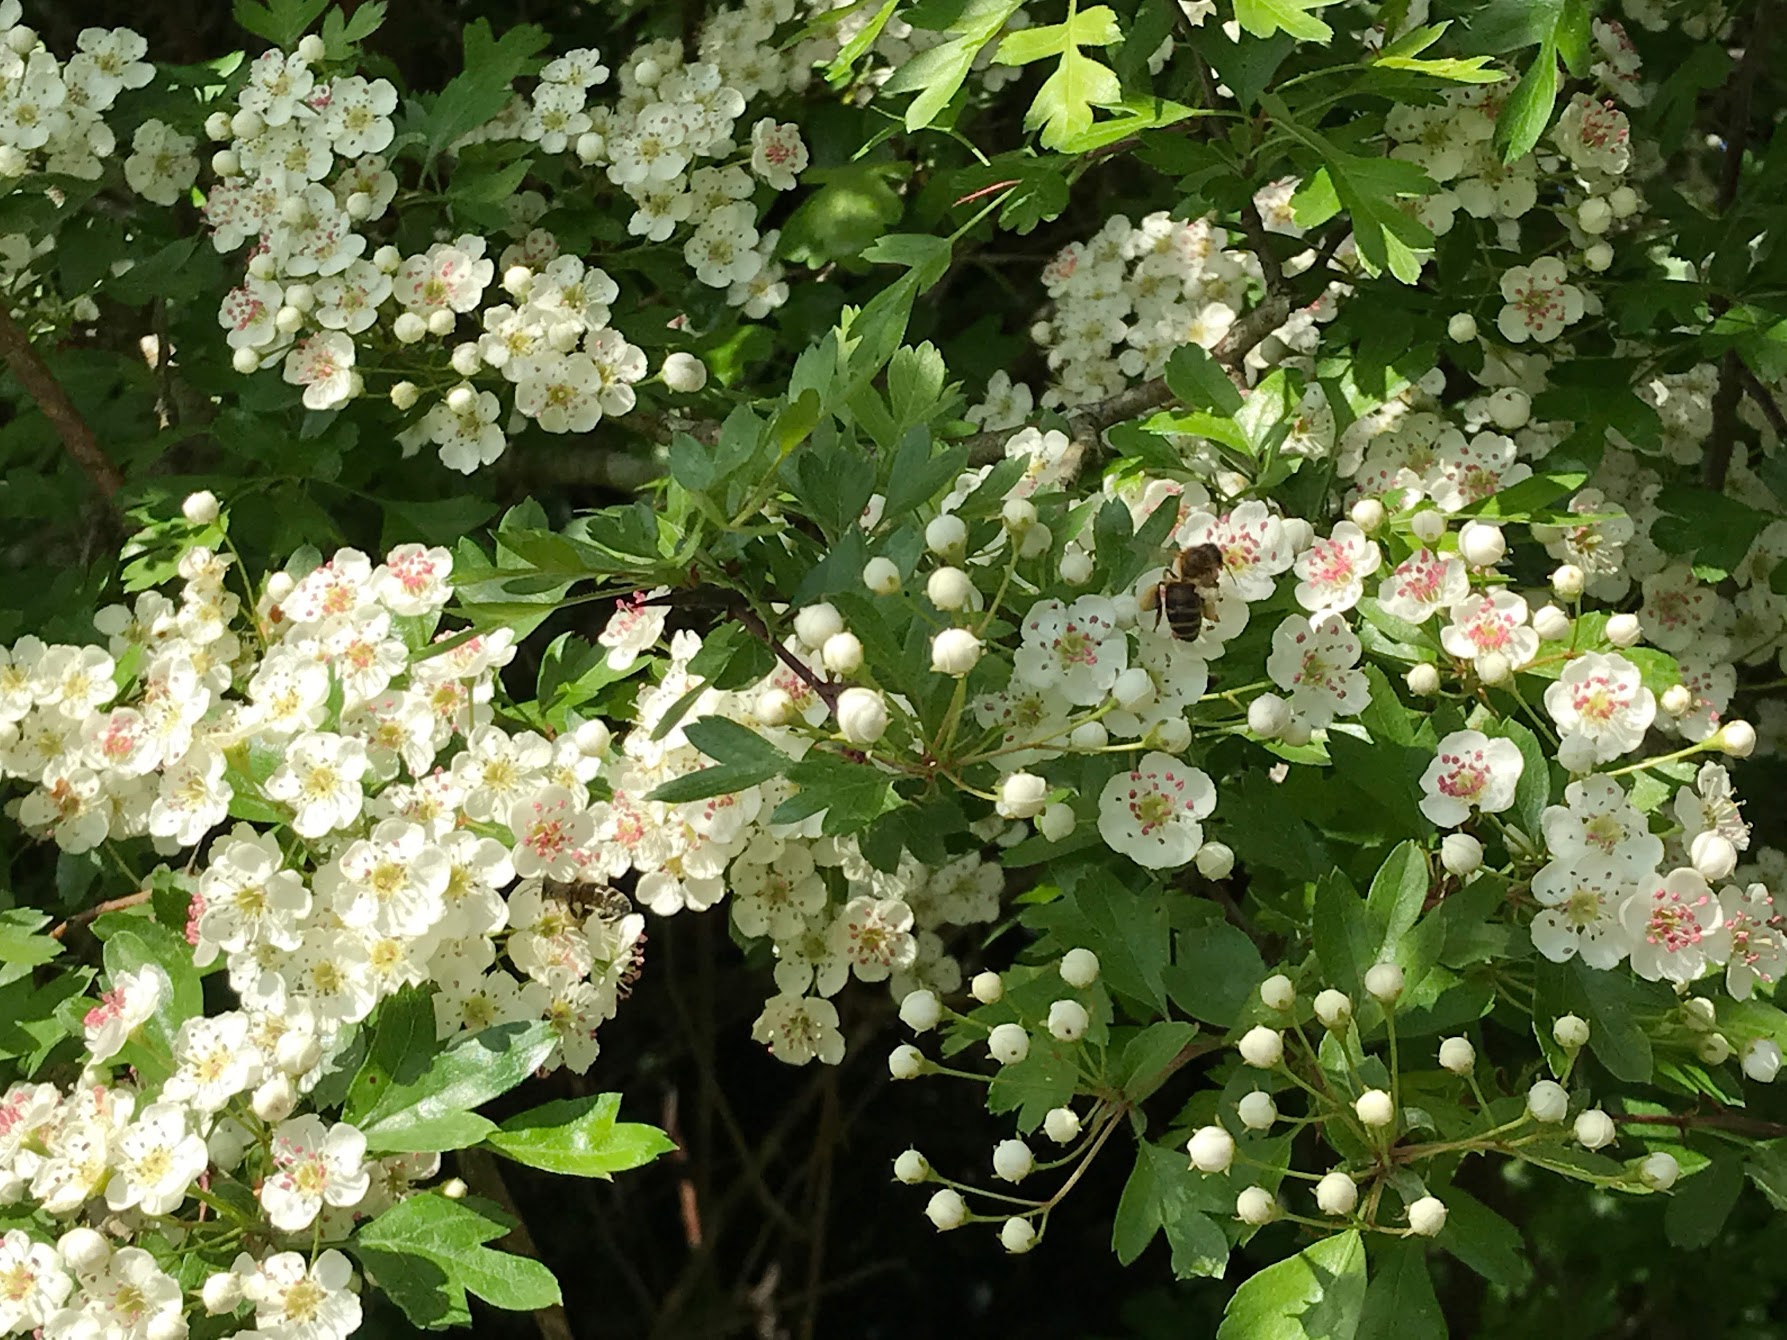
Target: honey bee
(1181, 593)
(583, 897)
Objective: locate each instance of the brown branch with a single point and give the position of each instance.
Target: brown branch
(1716, 1121)
(34, 375)
(136, 899)
(1765, 400)
(828, 693)
(484, 1177)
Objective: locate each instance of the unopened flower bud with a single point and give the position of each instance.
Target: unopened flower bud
(949, 589)
(1593, 1129)
(1462, 328)
(1337, 1194)
(987, 987)
(912, 1167)
(1623, 630)
(275, 1099)
(1713, 1049)
(1547, 1101)
(1676, 699)
(1384, 981)
(1699, 1014)
(774, 707)
(1598, 257)
(1427, 526)
(1012, 1160)
(947, 1210)
(217, 126)
(1268, 715)
(1018, 514)
(1567, 581)
(1062, 1125)
(1423, 679)
(1375, 1108)
(226, 162)
(947, 535)
(1068, 1021)
(1262, 1047)
(1494, 668)
(1333, 1008)
(465, 359)
(813, 624)
(462, 399)
(1736, 739)
(683, 372)
(1594, 216)
(1367, 514)
(1510, 408)
(921, 1010)
(83, 1249)
(1088, 737)
(1427, 1216)
(1215, 860)
(954, 651)
(881, 576)
(1076, 566)
(1079, 968)
(1458, 1056)
(1008, 1043)
(297, 1052)
(1212, 1149)
(592, 738)
(1256, 1206)
(1257, 1111)
(1277, 992)
(246, 125)
(1056, 821)
(1017, 1235)
(1551, 623)
(442, 320)
(1713, 855)
(404, 396)
(905, 1062)
(1570, 1032)
(1481, 545)
(841, 654)
(1761, 1060)
(862, 715)
(1659, 1171)
(221, 1293)
(201, 508)
(1460, 854)
(409, 328)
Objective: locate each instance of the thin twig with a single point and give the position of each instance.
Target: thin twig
(34, 375)
(828, 693)
(136, 899)
(1765, 400)
(1716, 1121)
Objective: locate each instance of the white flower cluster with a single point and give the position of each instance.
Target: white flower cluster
(52, 113)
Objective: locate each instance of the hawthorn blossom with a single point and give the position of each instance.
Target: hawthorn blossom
(1333, 571)
(875, 935)
(296, 1300)
(315, 1164)
(1314, 660)
(33, 1283)
(1601, 708)
(1423, 584)
(414, 579)
(1153, 814)
(1581, 917)
(635, 626)
(1490, 622)
(324, 366)
(1076, 650)
(1595, 135)
(1751, 942)
(1470, 771)
(551, 831)
(1599, 820)
(777, 154)
(132, 1001)
(798, 1028)
(1710, 806)
(156, 1160)
(1539, 302)
(1672, 921)
(320, 780)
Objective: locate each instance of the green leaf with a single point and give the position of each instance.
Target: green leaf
(1404, 54)
(281, 22)
(427, 1253)
(852, 795)
(1064, 103)
(1146, 1059)
(484, 88)
(579, 1137)
(1046, 1078)
(1194, 377)
(1387, 238)
(18, 943)
(1215, 972)
(1701, 1203)
(1399, 1301)
(936, 74)
(1398, 891)
(1528, 496)
(403, 1038)
(745, 759)
(469, 1071)
(133, 944)
(1345, 940)
(1129, 932)
(1317, 1294)
(1611, 1003)
(1163, 1193)
(1484, 1241)
(1528, 109)
(1294, 18)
